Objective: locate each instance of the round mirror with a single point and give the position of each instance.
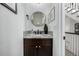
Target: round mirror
(38, 19)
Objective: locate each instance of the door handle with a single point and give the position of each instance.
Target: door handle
(39, 46)
(36, 46)
(64, 37)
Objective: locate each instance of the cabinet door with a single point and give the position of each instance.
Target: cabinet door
(47, 51)
(45, 48)
(30, 47)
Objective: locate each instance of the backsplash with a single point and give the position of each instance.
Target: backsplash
(30, 26)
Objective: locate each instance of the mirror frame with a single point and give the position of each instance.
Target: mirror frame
(37, 24)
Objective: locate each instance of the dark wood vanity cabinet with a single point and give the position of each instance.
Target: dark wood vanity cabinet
(38, 46)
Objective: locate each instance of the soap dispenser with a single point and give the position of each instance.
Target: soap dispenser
(45, 29)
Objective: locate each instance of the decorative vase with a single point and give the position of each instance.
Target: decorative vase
(45, 29)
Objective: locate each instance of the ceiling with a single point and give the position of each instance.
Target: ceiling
(43, 7)
(72, 16)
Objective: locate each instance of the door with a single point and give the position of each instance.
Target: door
(45, 48)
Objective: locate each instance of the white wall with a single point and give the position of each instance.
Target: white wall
(33, 7)
(11, 31)
(69, 24)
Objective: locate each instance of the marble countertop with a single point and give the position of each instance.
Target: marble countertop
(27, 35)
(37, 36)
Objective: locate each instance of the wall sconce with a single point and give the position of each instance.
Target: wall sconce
(27, 17)
(74, 8)
(69, 8)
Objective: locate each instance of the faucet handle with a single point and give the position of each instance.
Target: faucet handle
(37, 31)
(36, 46)
(32, 31)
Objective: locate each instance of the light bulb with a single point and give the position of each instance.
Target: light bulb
(74, 9)
(69, 7)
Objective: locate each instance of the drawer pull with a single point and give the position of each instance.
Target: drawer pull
(36, 46)
(39, 46)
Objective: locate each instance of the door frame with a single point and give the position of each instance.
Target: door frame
(61, 29)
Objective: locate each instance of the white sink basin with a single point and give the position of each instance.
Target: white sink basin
(38, 36)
